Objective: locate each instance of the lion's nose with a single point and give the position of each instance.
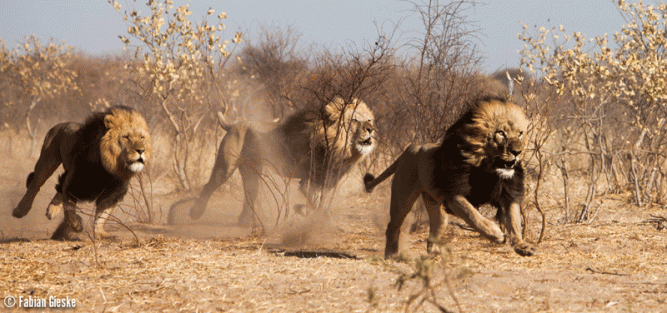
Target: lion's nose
(140, 150)
(515, 152)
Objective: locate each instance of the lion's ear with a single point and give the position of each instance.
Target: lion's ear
(109, 121)
(334, 108)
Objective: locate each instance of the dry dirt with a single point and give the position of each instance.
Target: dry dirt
(617, 263)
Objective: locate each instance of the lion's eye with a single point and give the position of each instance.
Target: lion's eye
(500, 134)
(126, 137)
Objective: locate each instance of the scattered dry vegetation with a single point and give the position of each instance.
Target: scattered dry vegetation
(597, 163)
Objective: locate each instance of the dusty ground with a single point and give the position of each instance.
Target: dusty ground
(618, 263)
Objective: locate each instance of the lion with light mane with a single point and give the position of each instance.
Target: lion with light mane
(316, 146)
(99, 158)
(478, 162)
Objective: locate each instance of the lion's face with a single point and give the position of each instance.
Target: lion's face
(357, 125)
(506, 124)
(363, 130)
(505, 148)
(495, 137)
(126, 147)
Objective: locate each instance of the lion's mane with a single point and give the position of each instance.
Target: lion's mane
(338, 135)
(470, 151)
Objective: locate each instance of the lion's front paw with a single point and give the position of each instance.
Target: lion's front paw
(103, 235)
(525, 249)
(53, 210)
(495, 234)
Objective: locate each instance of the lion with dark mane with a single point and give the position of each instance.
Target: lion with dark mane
(99, 158)
(316, 146)
(478, 162)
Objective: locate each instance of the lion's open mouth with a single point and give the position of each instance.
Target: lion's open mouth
(504, 169)
(504, 164)
(365, 146)
(136, 165)
(367, 142)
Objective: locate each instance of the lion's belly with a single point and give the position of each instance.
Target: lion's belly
(86, 190)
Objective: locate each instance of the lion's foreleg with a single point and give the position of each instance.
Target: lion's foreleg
(512, 222)
(312, 195)
(55, 206)
(102, 214)
(460, 206)
(105, 205)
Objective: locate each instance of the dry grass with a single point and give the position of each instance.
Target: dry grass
(616, 264)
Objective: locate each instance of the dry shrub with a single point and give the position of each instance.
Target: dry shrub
(592, 88)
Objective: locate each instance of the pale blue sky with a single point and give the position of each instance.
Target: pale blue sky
(93, 26)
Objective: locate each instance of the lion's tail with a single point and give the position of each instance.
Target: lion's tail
(224, 123)
(371, 181)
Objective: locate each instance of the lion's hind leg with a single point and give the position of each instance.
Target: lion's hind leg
(404, 192)
(48, 162)
(437, 219)
(70, 224)
(226, 162)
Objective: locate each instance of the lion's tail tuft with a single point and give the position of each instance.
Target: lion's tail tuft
(368, 182)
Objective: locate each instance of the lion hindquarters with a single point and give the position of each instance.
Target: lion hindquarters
(370, 181)
(49, 160)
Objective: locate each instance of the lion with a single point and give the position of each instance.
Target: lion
(316, 146)
(99, 158)
(478, 162)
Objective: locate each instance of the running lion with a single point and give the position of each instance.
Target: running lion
(478, 162)
(99, 157)
(316, 146)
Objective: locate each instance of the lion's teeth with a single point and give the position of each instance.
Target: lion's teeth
(136, 167)
(505, 173)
